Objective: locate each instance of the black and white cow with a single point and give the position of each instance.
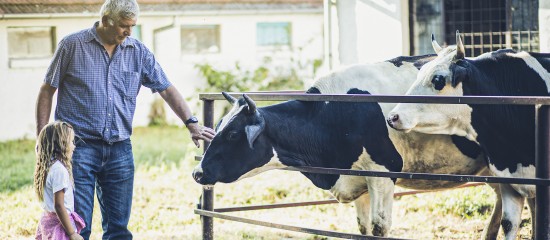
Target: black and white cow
(421, 153)
(332, 134)
(297, 133)
(505, 132)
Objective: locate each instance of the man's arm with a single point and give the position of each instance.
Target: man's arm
(44, 106)
(176, 102)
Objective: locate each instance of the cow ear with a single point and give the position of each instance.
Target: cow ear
(229, 98)
(460, 52)
(460, 74)
(253, 131)
(435, 45)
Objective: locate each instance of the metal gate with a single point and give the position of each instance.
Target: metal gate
(542, 147)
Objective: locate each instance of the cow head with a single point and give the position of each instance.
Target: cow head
(240, 148)
(444, 76)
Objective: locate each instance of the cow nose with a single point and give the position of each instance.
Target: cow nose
(393, 118)
(197, 175)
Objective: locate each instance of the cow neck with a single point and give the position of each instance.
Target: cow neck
(329, 135)
(289, 129)
(502, 75)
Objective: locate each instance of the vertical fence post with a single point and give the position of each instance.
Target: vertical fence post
(207, 200)
(542, 222)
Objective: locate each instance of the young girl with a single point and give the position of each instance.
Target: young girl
(53, 183)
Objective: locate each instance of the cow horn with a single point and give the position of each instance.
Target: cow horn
(229, 98)
(460, 53)
(435, 45)
(251, 104)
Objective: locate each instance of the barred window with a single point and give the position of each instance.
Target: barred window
(273, 34)
(31, 42)
(200, 39)
(485, 25)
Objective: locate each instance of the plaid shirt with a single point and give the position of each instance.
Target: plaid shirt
(97, 94)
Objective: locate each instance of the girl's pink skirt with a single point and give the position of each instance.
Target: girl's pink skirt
(50, 227)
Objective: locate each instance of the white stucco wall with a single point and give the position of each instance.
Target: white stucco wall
(371, 30)
(19, 87)
(544, 25)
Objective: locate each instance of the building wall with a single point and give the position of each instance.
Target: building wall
(544, 26)
(371, 30)
(19, 86)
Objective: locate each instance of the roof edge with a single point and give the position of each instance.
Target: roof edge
(164, 13)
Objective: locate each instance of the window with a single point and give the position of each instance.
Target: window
(489, 25)
(426, 17)
(31, 42)
(200, 38)
(273, 34)
(136, 32)
(485, 25)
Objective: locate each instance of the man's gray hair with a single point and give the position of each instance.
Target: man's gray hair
(116, 10)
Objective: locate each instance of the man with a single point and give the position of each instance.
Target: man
(98, 72)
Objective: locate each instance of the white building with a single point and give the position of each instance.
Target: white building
(373, 30)
(183, 33)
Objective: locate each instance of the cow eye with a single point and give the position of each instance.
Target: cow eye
(232, 136)
(439, 82)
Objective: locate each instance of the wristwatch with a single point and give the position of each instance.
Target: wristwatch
(192, 119)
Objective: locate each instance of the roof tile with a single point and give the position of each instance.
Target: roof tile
(92, 6)
(160, 1)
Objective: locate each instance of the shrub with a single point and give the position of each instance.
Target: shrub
(265, 77)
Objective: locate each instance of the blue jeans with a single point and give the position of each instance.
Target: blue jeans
(109, 169)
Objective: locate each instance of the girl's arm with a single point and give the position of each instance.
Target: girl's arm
(59, 203)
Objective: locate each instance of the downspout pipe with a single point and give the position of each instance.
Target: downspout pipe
(327, 16)
(162, 29)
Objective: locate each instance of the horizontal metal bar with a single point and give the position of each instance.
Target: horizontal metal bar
(322, 202)
(287, 227)
(283, 96)
(277, 205)
(427, 176)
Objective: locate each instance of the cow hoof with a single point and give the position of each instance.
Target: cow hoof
(378, 230)
(362, 229)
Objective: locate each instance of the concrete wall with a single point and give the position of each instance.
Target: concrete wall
(544, 25)
(371, 30)
(19, 86)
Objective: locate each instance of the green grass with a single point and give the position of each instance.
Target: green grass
(165, 196)
(155, 146)
(17, 164)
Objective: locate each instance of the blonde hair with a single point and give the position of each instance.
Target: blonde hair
(53, 144)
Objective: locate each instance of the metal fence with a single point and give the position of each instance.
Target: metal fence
(477, 43)
(542, 142)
